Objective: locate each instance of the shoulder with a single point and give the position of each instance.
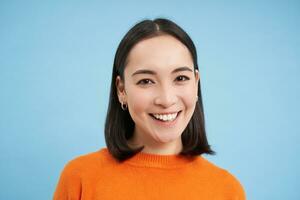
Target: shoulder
(76, 171)
(224, 182)
(231, 186)
(85, 163)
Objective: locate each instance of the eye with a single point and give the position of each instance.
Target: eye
(182, 78)
(144, 82)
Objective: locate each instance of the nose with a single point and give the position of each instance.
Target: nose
(166, 97)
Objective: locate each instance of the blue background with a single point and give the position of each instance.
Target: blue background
(56, 60)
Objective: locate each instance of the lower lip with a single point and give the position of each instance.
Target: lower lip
(167, 123)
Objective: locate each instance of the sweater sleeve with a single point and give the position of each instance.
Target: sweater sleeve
(69, 184)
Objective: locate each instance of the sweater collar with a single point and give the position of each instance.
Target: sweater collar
(142, 159)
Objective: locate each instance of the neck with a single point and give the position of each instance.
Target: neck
(155, 147)
(168, 149)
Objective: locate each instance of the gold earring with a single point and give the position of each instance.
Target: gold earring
(124, 106)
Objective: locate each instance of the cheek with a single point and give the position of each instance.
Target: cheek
(138, 100)
(188, 95)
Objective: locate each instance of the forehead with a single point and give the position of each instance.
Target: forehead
(160, 52)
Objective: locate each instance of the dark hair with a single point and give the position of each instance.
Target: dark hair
(119, 125)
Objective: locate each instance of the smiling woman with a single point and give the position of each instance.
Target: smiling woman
(161, 96)
(154, 129)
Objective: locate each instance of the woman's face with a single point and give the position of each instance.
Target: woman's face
(160, 89)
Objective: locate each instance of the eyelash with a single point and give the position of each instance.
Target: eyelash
(142, 82)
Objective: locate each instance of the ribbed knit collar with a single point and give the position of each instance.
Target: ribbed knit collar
(158, 161)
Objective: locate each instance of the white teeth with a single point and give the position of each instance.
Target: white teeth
(168, 117)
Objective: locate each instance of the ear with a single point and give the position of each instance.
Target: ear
(120, 89)
(197, 76)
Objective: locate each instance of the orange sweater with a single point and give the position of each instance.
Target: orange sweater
(98, 176)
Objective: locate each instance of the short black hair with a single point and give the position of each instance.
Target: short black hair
(119, 125)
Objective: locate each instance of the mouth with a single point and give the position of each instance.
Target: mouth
(168, 117)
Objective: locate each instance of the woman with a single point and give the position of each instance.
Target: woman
(154, 129)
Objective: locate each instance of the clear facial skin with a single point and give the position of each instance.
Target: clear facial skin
(168, 84)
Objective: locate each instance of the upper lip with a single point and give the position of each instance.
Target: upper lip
(165, 113)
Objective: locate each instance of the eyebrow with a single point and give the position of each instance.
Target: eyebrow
(146, 71)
